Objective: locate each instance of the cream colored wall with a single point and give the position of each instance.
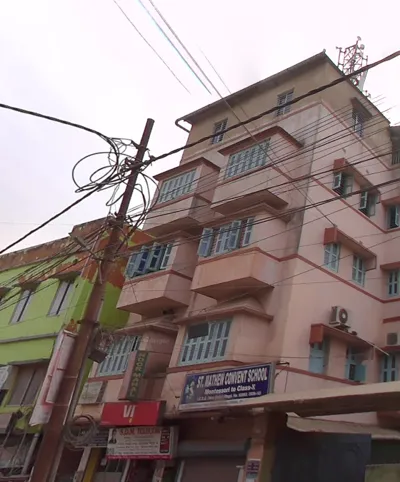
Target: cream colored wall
(256, 104)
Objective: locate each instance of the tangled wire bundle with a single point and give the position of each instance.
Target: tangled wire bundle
(73, 433)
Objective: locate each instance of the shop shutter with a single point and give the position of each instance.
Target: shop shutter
(212, 469)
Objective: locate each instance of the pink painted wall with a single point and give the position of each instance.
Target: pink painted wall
(304, 291)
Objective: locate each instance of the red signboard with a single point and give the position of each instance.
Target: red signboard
(125, 414)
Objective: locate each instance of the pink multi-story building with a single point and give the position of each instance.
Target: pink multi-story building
(275, 242)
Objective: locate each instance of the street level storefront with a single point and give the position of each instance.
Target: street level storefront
(222, 448)
(213, 449)
(230, 422)
(132, 443)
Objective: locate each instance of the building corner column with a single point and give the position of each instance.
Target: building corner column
(267, 426)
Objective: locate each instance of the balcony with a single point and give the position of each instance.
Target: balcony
(183, 198)
(255, 187)
(151, 294)
(184, 214)
(237, 272)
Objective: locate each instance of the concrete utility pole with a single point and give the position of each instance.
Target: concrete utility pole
(47, 459)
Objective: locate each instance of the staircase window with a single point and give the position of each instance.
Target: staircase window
(359, 270)
(389, 368)
(282, 100)
(219, 127)
(393, 217)
(342, 183)
(368, 203)
(393, 282)
(332, 256)
(319, 355)
(354, 370)
(358, 122)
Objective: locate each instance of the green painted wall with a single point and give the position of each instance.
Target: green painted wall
(41, 328)
(36, 321)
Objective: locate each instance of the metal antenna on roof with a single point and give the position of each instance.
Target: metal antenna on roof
(351, 59)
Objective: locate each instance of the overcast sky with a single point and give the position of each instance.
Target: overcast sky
(81, 60)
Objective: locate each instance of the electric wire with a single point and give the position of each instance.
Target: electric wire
(310, 93)
(293, 156)
(159, 27)
(65, 253)
(272, 188)
(149, 45)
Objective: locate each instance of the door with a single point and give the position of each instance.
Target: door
(319, 457)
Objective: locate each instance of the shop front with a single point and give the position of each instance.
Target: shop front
(219, 448)
(213, 450)
(137, 447)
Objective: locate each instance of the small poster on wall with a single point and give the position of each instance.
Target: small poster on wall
(142, 443)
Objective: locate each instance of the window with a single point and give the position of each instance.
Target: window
(61, 299)
(217, 131)
(389, 368)
(27, 385)
(207, 348)
(354, 370)
(393, 217)
(118, 356)
(254, 156)
(358, 270)
(342, 183)
(393, 282)
(228, 237)
(368, 203)
(395, 158)
(332, 256)
(176, 186)
(282, 100)
(148, 260)
(22, 306)
(319, 353)
(358, 122)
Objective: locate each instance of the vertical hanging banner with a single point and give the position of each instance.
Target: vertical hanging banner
(137, 375)
(55, 372)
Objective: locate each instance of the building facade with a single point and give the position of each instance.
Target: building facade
(275, 269)
(44, 292)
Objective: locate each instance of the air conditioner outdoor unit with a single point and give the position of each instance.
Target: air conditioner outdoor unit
(339, 317)
(392, 339)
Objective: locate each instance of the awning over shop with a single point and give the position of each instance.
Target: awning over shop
(371, 397)
(331, 426)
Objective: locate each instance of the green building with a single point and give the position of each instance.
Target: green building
(43, 290)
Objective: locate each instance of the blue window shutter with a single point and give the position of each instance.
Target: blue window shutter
(360, 373)
(206, 242)
(317, 358)
(166, 256)
(154, 258)
(347, 369)
(131, 267)
(234, 235)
